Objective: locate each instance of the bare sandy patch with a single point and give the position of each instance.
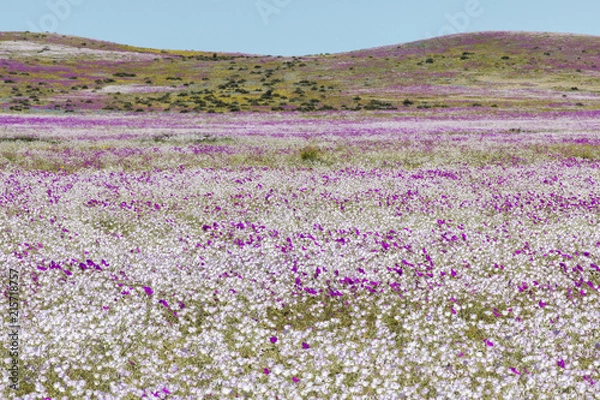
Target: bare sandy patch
(136, 89)
(56, 51)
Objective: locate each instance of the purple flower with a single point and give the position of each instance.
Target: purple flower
(514, 370)
(296, 380)
(590, 284)
(148, 290)
(164, 303)
(305, 345)
(561, 363)
(266, 371)
(542, 304)
(274, 339)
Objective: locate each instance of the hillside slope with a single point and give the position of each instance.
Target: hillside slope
(488, 71)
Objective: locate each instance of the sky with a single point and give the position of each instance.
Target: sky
(291, 27)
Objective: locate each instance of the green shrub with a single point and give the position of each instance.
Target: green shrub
(20, 138)
(310, 153)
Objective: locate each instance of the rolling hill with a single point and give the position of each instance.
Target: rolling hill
(474, 72)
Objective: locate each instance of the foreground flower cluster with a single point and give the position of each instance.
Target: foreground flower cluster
(429, 277)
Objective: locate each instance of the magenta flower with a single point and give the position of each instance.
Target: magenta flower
(274, 339)
(266, 371)
(514, 370)
(590, 284)
(542, 304)
(148, 290)
(296, 380)
(305, 345)
(561, 363)
(488, 342)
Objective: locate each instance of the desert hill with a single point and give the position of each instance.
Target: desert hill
(489, 71)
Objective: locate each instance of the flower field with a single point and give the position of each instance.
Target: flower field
(337, 256)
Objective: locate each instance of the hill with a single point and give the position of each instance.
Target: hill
(489, 71)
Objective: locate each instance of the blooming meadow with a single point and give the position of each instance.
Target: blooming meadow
(294, 256)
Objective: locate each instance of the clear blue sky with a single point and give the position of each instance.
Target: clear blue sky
(291, 27)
